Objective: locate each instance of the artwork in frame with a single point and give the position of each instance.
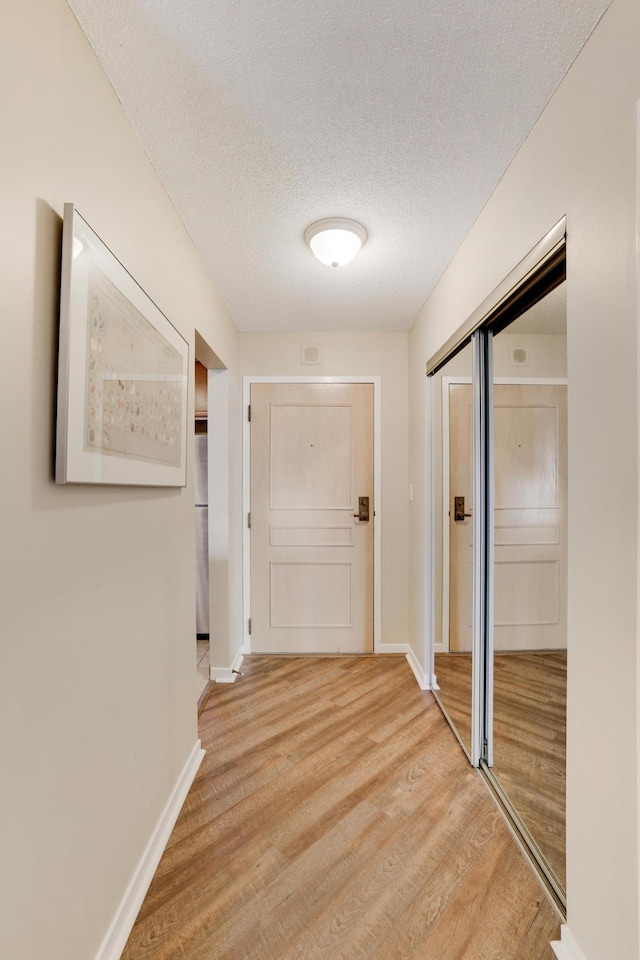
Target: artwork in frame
(122, 373)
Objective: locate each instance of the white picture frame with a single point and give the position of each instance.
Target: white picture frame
(122, 373)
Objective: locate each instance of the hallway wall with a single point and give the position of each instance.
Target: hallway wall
(579, 160)
(97, 649)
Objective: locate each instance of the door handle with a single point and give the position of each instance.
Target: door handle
(363, 510)
(458, 509)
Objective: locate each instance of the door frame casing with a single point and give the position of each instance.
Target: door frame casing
(376, 381)
(218, 497)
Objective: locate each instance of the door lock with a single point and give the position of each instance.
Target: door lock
(363, 510)
(458, 509)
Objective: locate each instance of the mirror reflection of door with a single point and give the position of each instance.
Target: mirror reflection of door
(460, 515)
(530, 516)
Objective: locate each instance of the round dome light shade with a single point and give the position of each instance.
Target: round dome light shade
(335, 242)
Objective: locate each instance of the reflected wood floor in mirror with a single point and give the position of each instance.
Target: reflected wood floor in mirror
(530, 703)
(335, 816)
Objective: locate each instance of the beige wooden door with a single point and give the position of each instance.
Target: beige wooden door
(530, 500)
(311, 558)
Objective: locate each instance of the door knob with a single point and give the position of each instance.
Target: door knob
(363, 510)
(458, 509)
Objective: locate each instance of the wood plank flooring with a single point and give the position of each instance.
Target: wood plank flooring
(335, 817)
(530, 706)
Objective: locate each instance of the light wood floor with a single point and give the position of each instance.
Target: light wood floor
(335, 817)
(530, 706)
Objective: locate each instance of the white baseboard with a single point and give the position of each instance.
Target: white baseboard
(391, 648)
(424, 681)
(566, 948)
(125, 916)
(227, 674)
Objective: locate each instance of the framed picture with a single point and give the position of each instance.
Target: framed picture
(122, 373)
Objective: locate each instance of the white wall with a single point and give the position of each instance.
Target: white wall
(358, 354)
(579, 160)
(546, 355)
(97, 595)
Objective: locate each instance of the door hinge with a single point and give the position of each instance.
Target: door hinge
(249, 520)
(249, 626)
(249, 413)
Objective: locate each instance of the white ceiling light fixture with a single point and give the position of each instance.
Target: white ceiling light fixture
(335, 241)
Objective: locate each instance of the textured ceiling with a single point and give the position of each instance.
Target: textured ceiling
(261, 117)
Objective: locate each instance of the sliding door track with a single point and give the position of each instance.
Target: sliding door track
(528, 845)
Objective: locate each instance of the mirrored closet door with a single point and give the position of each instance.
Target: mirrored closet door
(528, 758)
(453, 491)
(499, 477)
